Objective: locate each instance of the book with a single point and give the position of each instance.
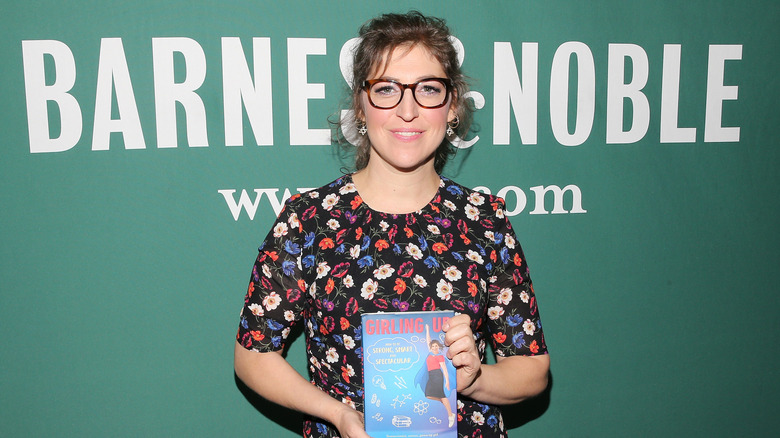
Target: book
(410, 385)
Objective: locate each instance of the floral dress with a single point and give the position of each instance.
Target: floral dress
(330, 258)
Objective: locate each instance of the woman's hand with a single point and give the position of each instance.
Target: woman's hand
(350, 423)
(462, 350)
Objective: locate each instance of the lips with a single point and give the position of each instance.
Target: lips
(406, 134)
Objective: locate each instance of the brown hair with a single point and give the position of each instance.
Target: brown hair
(378, 38)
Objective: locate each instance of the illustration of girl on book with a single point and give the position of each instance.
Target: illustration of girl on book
(434, 376)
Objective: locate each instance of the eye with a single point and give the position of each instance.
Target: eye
(431, 88)
(385, 89)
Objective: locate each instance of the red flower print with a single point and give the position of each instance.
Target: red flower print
(340, 270)
(493, 256)
(517, 260)
(352, 308)
(429, 304)
(381, 244)
(329, 286)
(251, 289)
(356, 202)
(358, 233)
(302, 284)
(472, 288)
(340, 235)
(465, 239)
(406, 269)
(409, 232)
(326, 243)
(256, 335)
(458, 305)
(534, 347)
(309, 213)
(344, 322)
(293, 295)
(472, 273)
(400, 286)
(500, 337)
(272, 254)
(439, 247)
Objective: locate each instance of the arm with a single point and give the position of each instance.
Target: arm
(509, 380)
(273, 378)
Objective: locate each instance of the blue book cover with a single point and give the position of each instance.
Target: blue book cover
(410, 387)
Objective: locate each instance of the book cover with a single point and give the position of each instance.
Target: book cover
(410, 387)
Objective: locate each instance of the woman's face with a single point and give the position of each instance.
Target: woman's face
(406, 137)
(434, 348)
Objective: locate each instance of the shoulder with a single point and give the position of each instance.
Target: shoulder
(327, 196)
(475, 204)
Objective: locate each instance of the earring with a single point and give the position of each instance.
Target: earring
(451, 125)
(362, 130)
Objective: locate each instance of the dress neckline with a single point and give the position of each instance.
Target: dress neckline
(434, 200)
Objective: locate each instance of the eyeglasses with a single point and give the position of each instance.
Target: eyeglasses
(387, 93)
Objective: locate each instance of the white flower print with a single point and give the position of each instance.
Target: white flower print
(383, 272)
(280, 230)
(509, 240)
(434, 229)
(478, 418)
(495, 312)
(330, 201)
(286, 332)
(354, 252)
(450, 205)
(500, 213)
(348, 281)
(476, 198)
(289, 315)
(256, 309)
(472, 212)
(524, 297)
(266, 271)
(474, 256)
(331, 355)
(420, 281)
(313, 194)
(384, 225)
(348, 401)
(444, 289)
(272, 301)
(333, 224)
(414, 251)
(504, 296)
(489, 235)
(293, 220)
(347, 188)
(322, 269)
(452, 273)
(369, 288)
(529, 327)
(349, 343)
(313, 289)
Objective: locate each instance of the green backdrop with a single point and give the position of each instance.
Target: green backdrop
(125, 256)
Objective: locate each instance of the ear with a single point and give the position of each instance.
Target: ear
(453, 111)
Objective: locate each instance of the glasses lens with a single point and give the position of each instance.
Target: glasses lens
(430, 93)
(385, 94)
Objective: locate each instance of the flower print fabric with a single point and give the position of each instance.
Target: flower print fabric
(329, 258)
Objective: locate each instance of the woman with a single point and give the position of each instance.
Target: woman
(394, 236)
(435, 375)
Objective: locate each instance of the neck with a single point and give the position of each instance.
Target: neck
(392, 191)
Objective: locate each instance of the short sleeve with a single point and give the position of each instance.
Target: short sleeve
(276, 297)
(513, 316)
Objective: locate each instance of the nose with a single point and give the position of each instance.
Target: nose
(408, 108)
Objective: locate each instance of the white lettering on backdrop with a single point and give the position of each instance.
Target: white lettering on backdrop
(55, 119)
(515, 197)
